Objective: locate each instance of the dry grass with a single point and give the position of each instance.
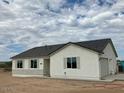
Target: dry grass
(10, 84)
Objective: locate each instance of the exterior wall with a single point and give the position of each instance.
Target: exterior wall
(109, 53)
(26, 71)
(89, 64)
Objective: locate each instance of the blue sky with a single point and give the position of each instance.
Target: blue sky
(28, 23)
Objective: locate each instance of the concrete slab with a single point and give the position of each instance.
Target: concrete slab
(119, 77)
(103, 80)
(115, 77)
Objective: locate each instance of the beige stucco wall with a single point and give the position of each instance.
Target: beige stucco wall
(26, 70)
(109, 53)
(89, 64)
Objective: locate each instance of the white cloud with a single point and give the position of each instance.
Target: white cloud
(38, 22)
(117, 23)
(102, 16)
(118, 6)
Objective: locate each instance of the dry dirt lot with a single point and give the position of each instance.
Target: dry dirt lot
(9, 84)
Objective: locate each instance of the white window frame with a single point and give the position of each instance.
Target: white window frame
(18, 62)
(37, 63)
(71, 63)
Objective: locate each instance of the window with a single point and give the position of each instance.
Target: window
(71, 62)
(19, 64)
(34, 63)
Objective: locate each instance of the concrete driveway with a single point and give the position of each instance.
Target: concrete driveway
(119, 76)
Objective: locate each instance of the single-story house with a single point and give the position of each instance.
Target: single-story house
(87, 60)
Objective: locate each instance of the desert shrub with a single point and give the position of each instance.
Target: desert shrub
(6, 66)
(2, 65)
(7, 69)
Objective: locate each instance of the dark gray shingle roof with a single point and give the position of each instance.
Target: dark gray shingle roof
(95, 45)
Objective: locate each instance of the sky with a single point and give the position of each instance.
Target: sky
(25, 24)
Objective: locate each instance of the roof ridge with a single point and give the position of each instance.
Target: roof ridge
(94, 40)
(51, 45)
(73, 42)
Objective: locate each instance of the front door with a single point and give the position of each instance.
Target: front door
(46, 67)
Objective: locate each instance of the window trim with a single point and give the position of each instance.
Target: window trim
(37, 63)
(71, 63)
(17, 64)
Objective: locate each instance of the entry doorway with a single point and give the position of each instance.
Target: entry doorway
(46, 67)
(104, 65)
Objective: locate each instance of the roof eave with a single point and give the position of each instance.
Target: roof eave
(15, 58)
(101, 52)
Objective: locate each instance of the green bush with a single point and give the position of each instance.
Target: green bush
(7, 66)
(2, 65)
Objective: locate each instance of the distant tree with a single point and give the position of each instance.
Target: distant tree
(6, 66)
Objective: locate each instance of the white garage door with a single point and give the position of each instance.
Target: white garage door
(104, 67)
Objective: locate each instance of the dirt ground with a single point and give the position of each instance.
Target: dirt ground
(9, 84)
